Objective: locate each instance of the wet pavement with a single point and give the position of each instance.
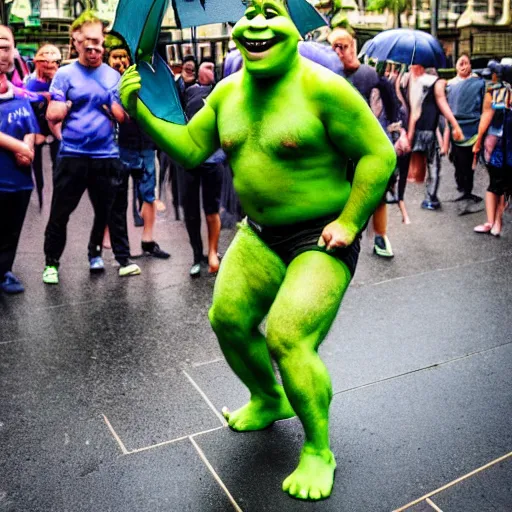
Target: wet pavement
(111, 388)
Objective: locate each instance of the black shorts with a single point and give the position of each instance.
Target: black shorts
(290, 240)
(500, 180)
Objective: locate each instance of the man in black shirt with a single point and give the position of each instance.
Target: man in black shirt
(365, 79)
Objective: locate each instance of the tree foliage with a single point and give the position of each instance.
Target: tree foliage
(396, 6)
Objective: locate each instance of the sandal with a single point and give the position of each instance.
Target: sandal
(483, 228)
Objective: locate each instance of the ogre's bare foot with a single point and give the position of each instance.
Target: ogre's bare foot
(259, 414)
(314, 477)
(213, 262)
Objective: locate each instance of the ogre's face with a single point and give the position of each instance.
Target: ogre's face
(267, 38)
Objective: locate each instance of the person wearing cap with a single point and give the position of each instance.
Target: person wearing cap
(85, 99)
(47, 61)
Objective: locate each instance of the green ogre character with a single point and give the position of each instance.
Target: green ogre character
(288, 127)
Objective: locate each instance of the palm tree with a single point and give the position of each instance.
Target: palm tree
(397, 7)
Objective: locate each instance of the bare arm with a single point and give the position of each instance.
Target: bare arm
(118, 113)
(57, 111)
(14, 145)
(30, 140)
(485, 122)
(442, 104)
(25, 158)
(56, 129)
(190, 144)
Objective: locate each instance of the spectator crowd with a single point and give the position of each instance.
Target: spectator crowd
(94, 146)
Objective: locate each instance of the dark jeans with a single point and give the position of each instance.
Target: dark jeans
(433, 175)
(403, 162)
(37, 166)
(463, 162)
(116, 223)
(176, 178)
(73, 176)
(13, 208)
(208, 178)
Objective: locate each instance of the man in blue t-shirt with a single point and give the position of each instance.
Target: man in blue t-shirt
(86, 101)
(18, 127)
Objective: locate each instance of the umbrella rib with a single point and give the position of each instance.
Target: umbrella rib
(176, 14)
(413, 53)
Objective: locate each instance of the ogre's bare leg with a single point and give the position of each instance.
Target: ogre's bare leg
(298, 322)
(248, 281)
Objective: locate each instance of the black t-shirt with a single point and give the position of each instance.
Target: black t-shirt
(132, 137)
(365, 79)
(194, 98)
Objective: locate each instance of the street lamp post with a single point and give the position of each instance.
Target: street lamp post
(434, 17)
(2, 11)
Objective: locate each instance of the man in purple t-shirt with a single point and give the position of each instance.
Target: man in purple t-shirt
(17, 128)
(86, 101)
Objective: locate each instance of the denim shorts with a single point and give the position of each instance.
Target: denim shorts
(146, 186)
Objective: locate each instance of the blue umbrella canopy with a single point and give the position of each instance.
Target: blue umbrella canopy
(407, 47)
(194, 13)
(305, 16)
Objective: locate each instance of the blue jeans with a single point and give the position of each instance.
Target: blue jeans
(145, 186)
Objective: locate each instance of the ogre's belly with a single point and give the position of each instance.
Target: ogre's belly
(285, 167)
(274, 193)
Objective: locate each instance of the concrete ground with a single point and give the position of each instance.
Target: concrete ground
(111, 388)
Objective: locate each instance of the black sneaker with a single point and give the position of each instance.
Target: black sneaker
(153, 249)
(431, 205)
(471, 206)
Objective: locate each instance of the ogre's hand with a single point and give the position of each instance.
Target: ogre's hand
(336, 235)
(129, 90)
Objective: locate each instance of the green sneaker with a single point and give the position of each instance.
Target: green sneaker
(128, 268)
(51, 275)
(382, 247)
